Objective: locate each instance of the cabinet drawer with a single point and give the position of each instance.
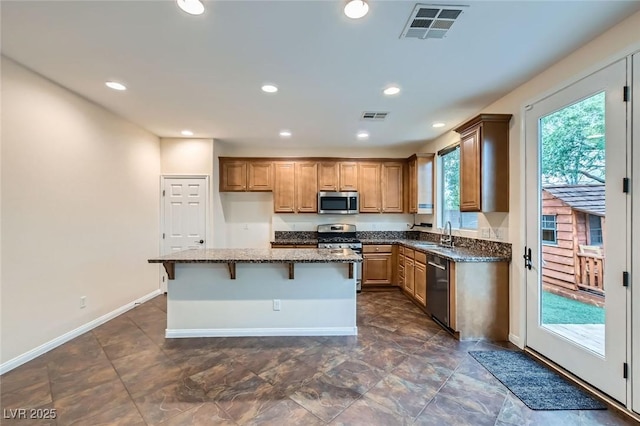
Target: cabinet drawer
(409, 253)
(421, 257)
(374, 248)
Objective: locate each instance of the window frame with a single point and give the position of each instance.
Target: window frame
(554, 229)
(458, 225)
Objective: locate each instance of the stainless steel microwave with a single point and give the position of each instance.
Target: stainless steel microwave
(337, 202)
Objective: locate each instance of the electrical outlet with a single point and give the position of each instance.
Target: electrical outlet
(485, 233)
(245, 226)
(276, 304)
(83, 302)
(500, 234)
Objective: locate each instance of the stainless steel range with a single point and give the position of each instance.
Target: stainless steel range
(341, 236)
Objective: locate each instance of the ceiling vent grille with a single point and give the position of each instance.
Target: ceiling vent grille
(374, 116)
(431, 21)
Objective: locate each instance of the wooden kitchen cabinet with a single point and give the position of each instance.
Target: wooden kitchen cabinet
(284, 192)
(484, 163)
(348, 176)
(369, 187)
(245, 175)
(420, 282)
(479, 300)
(306, 184)
(420, 183)
(392, 187)
(409, 277)
(328, 176)
(377, 265)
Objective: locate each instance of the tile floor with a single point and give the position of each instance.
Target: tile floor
(401, 369)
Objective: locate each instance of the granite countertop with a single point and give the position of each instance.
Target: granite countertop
(251, 255)
(300, 242)
(457, 254)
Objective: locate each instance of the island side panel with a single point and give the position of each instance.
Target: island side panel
(204, 302)
(482, 300)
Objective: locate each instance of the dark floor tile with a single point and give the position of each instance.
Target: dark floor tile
(324, 398)
(401, 396)
(514, 412)
(416, 331)
(113, 331)
(474, 394)
(290, 375)
(165, 403)
(74, 382)
(26, 375)
(443, 410)
(249, 398)
(260, 360)
(424, 373)
(126, 414)
(193, 364)
(128, 344)
(148, 379)
(441, 355)
(383, 358)
(604, 418)
(91, 402)
(285, 412)
(208, 413)
(366, 412)
(356, 375)
(31, 396)
(132, 363)
(322, 358)
(445, 339)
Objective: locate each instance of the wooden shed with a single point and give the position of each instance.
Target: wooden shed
(573, 241)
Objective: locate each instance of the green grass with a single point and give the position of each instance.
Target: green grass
(560, 310)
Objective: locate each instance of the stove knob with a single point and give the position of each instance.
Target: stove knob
(328, 246)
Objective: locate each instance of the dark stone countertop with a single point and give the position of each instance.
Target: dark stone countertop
(252, 255)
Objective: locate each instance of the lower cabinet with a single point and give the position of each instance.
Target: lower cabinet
(414, 283)
(377, 265)
(277, 245)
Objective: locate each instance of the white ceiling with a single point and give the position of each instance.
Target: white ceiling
(204, 73)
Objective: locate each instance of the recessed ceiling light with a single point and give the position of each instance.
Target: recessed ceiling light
(192, 7)
(436, 125)
(115, 85)
(363, 135)
(356, 9)
(187, 133)
(269, 88)
(285, 133)
(391, 90)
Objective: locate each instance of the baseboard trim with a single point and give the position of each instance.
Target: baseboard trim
(515, 340)
(52, 344)
(260, 332)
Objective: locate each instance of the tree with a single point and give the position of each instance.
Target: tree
(573, 143)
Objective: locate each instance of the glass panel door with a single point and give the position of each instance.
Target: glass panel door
(577, 227)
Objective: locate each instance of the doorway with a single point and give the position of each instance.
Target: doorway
(578, 227)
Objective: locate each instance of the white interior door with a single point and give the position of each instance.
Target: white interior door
(184, 213)
(635, 258)
(578, 228)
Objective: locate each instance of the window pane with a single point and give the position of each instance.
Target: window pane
(548, 227)
(450, 211)
(595, 230)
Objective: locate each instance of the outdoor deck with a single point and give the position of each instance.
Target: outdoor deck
(591, 336)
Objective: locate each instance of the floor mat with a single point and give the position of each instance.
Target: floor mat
(538, 387)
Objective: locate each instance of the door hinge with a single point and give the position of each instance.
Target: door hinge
(163, 278)
(625, 185)
(163, 235)
(625, 370)
(163, 192)
(625, 279)
(626, 93)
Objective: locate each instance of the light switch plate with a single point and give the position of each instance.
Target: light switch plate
(485, 233)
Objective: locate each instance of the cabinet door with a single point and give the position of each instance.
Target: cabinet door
(392, 190)
(401, 263)
(376, 269)
(284, 190)
(307, 187)
(409, 279)
(413, 186)
(328, 176)
(260, 176)
(233, 176)
(420, 283)
(470, 170)
(348, 176)
(369, 187)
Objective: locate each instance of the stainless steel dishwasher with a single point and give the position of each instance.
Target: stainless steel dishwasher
(438, 288)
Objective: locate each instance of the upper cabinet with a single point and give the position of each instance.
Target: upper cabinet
(306, 187)
(392, 187)
(284, 192)
(337, 176)
(369, 187)
(484, 163)
(245, 175)
(420, 185)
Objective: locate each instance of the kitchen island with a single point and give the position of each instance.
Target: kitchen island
(260, 292)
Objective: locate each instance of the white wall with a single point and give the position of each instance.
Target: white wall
(79, 211)
(620, 40)
(186, 156)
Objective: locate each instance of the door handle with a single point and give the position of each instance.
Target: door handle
(527, 258)
(200, 242)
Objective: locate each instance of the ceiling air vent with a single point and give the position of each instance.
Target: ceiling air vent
(374, 116)
(431, 21)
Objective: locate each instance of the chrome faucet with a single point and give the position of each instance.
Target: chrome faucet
(446, 238)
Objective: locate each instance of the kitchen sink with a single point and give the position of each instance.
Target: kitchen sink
(428, 245)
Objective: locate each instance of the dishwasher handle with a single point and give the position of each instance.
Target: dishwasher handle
(437, 266)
